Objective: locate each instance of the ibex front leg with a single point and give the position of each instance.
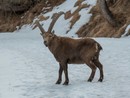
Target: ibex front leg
(65, 69)
(60, 74)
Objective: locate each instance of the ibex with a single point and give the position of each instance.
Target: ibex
(72, 51)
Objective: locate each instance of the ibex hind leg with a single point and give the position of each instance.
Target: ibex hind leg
(100, 67)
(93, 68)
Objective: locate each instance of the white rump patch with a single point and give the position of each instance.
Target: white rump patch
(96, 47)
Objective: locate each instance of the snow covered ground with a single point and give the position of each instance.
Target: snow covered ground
(29, 70)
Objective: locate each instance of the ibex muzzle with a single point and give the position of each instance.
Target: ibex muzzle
(72, 51)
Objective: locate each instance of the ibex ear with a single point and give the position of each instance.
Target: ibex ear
(53, 32)
(41, 34)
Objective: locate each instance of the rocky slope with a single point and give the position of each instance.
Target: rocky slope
(99, 27)
(96, 26)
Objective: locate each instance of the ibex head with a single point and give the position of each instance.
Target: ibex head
(49, 35)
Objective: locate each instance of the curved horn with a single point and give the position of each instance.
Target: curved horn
(40, 27)
(55, 17)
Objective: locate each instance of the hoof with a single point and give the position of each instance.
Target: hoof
(65, 83)
(58, 82)
(89, 80)
(100, 80)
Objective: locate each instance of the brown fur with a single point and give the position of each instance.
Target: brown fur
(71, 50)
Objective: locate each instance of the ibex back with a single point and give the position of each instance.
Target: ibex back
(72, 51)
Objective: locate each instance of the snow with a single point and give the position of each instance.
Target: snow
(126, 31)
(29, 70)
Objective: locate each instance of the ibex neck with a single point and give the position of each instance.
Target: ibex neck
(54, 44)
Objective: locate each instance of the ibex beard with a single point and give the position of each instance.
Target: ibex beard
(72, 51)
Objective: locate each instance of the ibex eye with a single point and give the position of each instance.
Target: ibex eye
(50, 35)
